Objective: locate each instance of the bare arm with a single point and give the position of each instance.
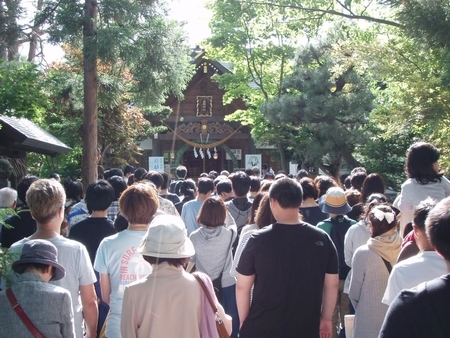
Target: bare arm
(243, 289)
(330, 289)
(105, 287)
(90, 309)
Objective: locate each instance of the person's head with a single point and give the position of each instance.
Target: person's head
(373, 183)
(372, 201)
(213, 174)
(212, 213)
(128, 170)
(256, 172)
(120, 223)
(255, 184)
(335, 202)
(249, 171)
(8, 198)
(166, 240)
(115, 172)
(155, 177)
(181, 171)
(422, 163)
(302, 173)
(225, 173)
(241, 184)
(420, 215)
(139, 174)
(309, 188)
(139, 203)
(287, 192)
(264, 168)
(40, 256)
(74, 190)
(437, 226)
(264, 214)
(99, 196)
(205, 185)
(265, 185)
(382, 219)
(323, 183)
(23, 187)
(46, 198)
(130, 180)
(119, 185)
(357, 179)
(269, 176)
(188, 188)
(224, 189)
(342, 179)
(55, 176)
(353, 197)
(255, 206)
(166, 181)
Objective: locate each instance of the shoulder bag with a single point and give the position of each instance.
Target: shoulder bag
(219, 322)
(22, 315)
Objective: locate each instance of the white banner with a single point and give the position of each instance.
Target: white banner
(156, 163)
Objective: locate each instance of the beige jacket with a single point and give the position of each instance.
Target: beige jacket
(167, 303)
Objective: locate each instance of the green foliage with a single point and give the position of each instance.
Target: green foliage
(327, 103)
(424, 20)
(22, 90)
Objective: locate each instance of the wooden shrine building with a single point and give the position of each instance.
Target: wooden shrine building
(198, 136)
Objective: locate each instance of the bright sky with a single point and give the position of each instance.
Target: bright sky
(193, 12)
(197, 18)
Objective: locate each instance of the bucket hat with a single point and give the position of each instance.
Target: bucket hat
(167, 238)
(335, 202)
(40, 251)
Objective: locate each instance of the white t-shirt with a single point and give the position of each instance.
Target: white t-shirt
(73, 256)
(409, 273)
(117, 257)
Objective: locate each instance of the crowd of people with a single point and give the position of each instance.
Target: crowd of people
(264, 255)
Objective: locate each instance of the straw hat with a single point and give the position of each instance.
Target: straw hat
(335, 202)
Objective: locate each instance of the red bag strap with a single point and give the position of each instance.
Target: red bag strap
(23, 316)
(205, 290)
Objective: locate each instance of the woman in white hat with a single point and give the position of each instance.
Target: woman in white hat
(48, 307)
(169, 302)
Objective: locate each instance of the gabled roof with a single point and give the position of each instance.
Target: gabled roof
(23, 135)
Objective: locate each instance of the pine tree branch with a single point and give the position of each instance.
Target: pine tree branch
(328, 11)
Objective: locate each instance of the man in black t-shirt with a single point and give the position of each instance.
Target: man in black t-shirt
(294, 269)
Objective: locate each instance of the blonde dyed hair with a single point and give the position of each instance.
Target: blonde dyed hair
(45, 198)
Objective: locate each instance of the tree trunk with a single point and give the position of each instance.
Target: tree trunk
(283, 161)
(89, 160)
(35, 34)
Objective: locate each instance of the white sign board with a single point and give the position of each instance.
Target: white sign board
(236, 152)
(156, 163)
(253, 160)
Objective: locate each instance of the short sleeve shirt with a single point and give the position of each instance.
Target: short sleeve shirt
(289, 263)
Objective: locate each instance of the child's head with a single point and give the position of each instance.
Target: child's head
(381, 220)
(335, 202)
(421, 162)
